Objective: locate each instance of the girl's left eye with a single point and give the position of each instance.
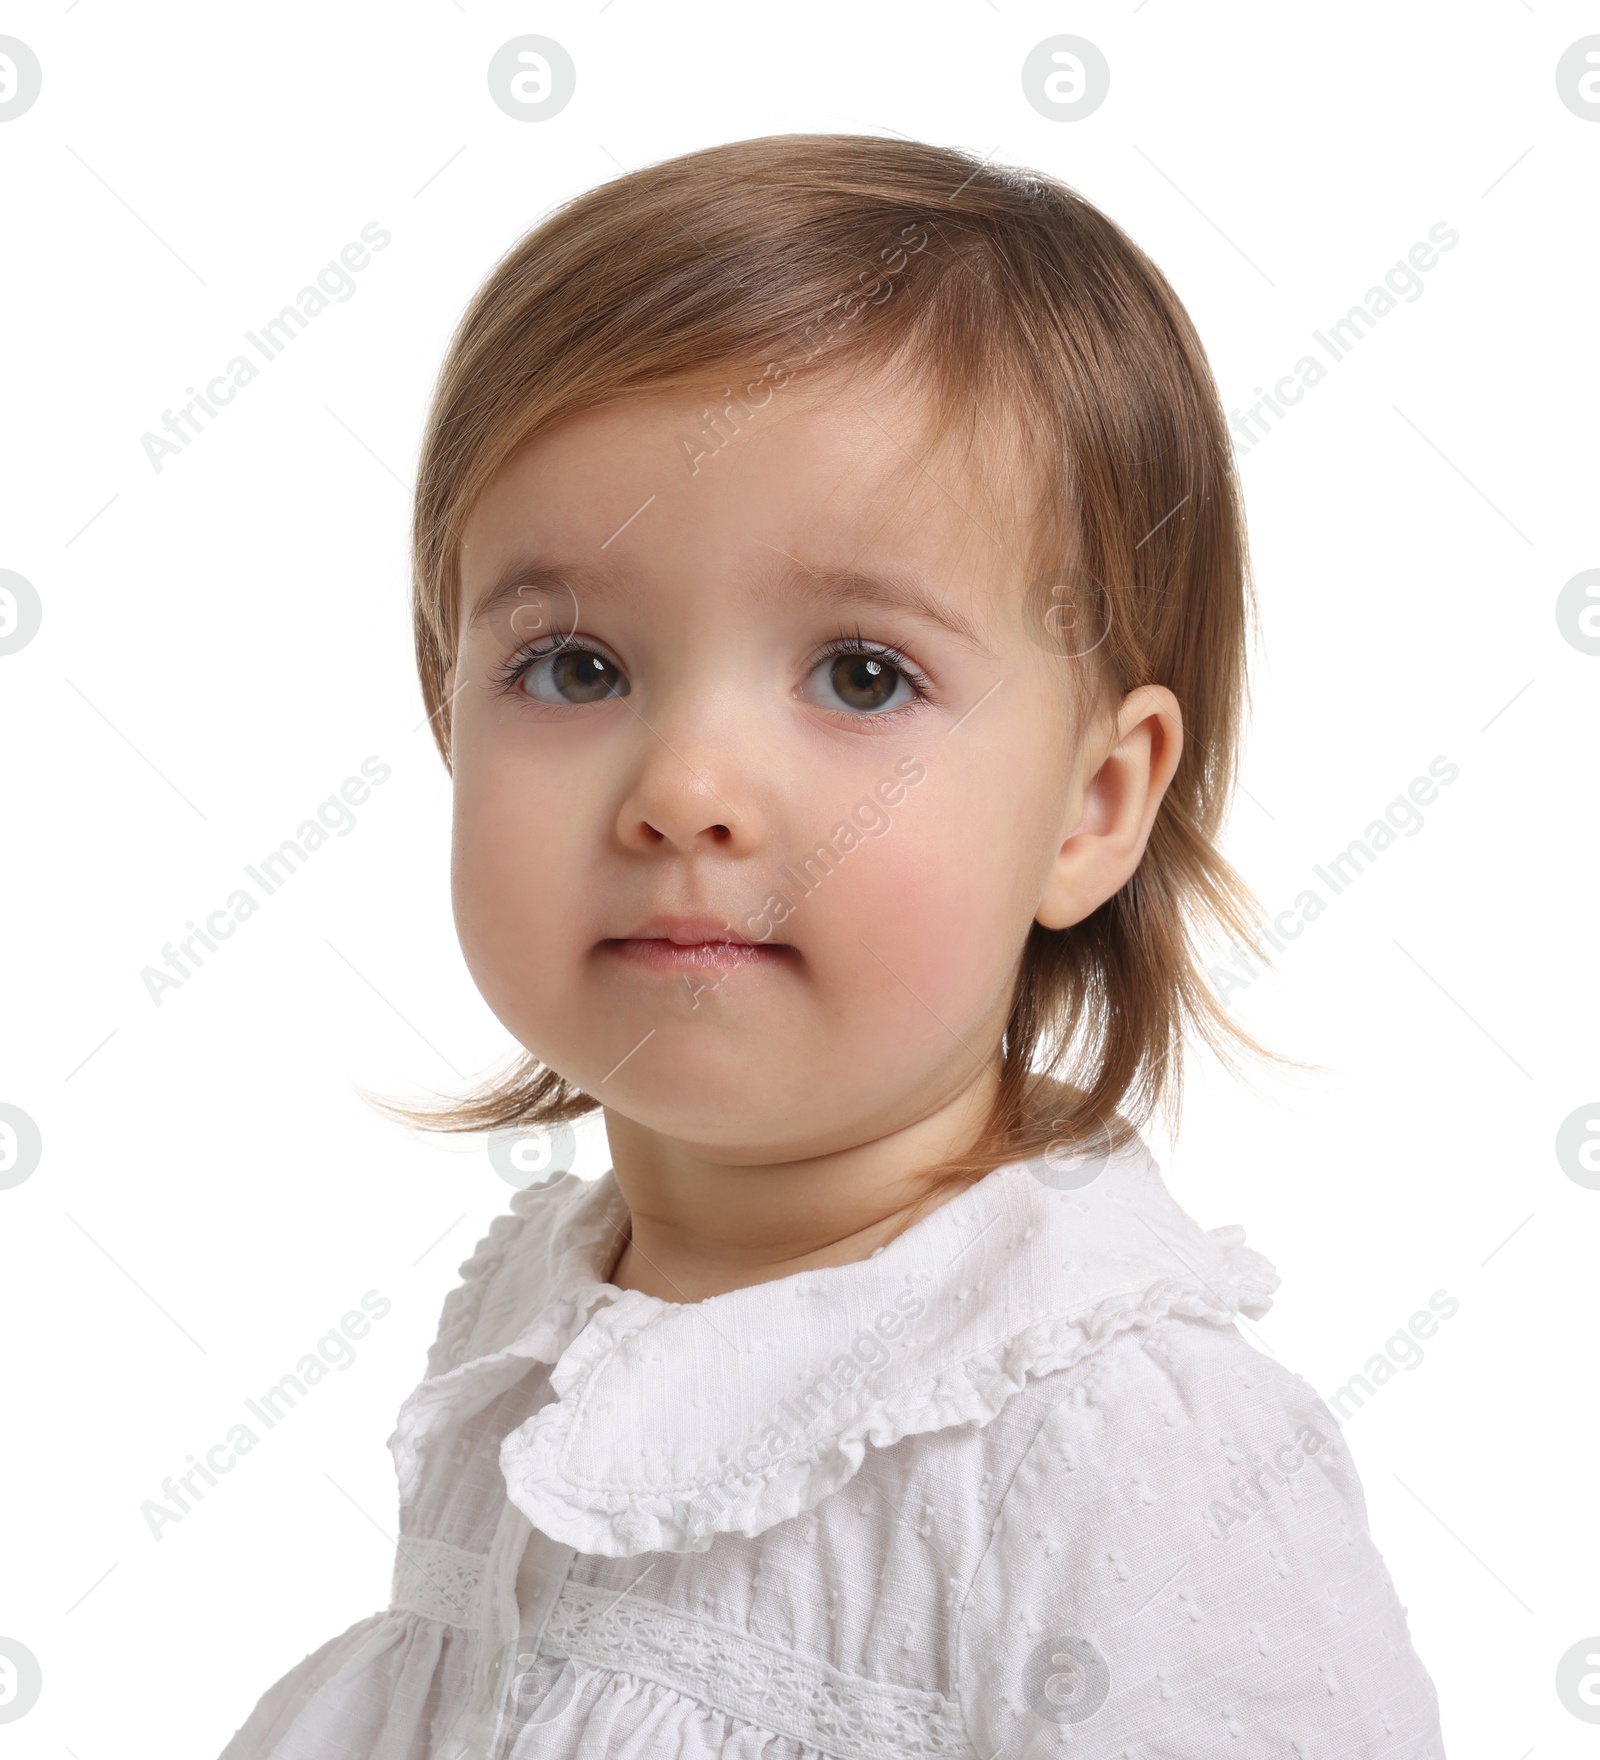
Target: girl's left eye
(866, 679)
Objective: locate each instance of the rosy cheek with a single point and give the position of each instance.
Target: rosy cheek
(925, 898)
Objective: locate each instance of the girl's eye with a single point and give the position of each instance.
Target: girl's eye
(570, 674)
(865, 680)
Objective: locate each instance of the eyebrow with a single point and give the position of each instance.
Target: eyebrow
(528, 573)
(841, 587)
(834, 587)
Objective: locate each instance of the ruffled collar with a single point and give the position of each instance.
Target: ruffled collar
(674, 1422)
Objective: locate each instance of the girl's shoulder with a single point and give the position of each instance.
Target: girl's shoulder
(1181, 1561)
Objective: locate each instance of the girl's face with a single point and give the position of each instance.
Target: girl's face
(759, 779)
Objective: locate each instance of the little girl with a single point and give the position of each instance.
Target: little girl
(831, 599)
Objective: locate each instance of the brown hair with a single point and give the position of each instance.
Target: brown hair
(1003, 290)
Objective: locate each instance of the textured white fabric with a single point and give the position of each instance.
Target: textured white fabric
(1015, 1483)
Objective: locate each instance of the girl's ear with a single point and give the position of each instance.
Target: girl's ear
(1120, 798)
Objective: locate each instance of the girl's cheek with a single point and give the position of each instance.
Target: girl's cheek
(509, 850)
(932, 897)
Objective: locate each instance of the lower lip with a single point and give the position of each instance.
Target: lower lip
(699, 956)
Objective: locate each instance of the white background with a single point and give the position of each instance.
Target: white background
(224, 641)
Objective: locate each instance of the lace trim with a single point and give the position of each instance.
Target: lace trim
(438, 1581)
(841, 1714)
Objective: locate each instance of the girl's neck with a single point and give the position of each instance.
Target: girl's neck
(701, 1226)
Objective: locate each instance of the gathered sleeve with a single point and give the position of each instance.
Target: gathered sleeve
(1181, 1566)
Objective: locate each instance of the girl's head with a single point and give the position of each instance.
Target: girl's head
(830, 545)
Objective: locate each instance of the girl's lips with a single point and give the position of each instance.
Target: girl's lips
(660, 955)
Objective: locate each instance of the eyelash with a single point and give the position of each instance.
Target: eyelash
(848, 641)
(852, 641)
(509, 675)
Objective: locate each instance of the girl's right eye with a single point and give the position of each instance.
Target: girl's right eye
(566, 675)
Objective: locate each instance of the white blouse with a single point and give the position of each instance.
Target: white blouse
(1015, 1485)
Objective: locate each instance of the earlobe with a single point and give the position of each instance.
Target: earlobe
(1121, 796)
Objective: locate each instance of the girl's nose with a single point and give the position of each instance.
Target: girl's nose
(693, 789)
